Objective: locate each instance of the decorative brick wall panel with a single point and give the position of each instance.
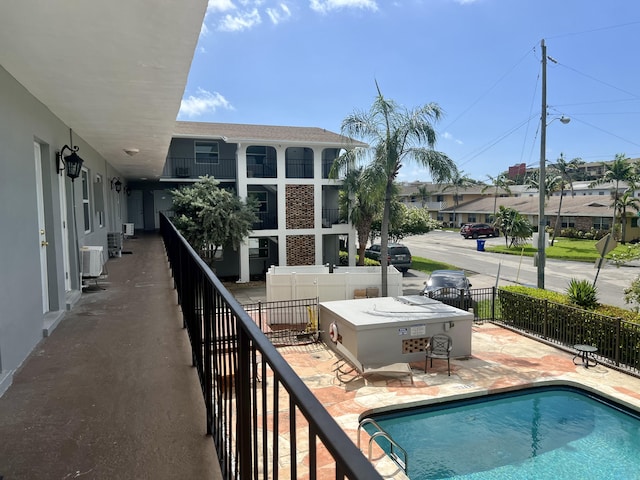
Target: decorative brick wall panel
(299, 206)
(301, 250)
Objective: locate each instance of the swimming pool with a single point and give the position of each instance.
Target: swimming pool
(536, 433)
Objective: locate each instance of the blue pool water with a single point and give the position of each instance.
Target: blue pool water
(540, 433)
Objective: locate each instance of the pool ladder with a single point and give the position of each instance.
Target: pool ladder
(401, 462)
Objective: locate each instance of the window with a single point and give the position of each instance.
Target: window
(472, 217)
(258, 247)
(207, 152)
(567, 222)
(262, 201)
(256, 155)
(86, 206)
(601, 223)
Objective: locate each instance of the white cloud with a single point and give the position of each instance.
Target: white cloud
(220, 6)
(325, 6)
(465, 2)
(204, 102)
(280, 15)
(448, 136)
(241, 21)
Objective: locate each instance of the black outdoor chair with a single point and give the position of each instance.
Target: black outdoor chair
(439, 346)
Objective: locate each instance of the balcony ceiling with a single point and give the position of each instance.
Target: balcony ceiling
(114, 71)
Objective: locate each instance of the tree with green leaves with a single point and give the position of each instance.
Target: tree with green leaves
(552, 183)
(210, 217)
(360, 201)
(424, 194)
(565, 171)
(498, 183)
(619, 170)
(625, 202)
(459, 181)
(415, 221)
(396, 135)
(513, 225)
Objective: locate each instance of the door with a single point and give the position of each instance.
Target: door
(42, 234)
(135, 207)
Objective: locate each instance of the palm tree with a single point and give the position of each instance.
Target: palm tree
(620, 170)
(459, 181)
(396, 135)
(565, 170)
(512, 224)
(627, 200)
(499, 182)
(552, 184)
(360, 201)
(424, 194)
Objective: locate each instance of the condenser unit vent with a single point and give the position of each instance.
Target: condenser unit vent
(92, 260)
(114, 239)
(128, 229)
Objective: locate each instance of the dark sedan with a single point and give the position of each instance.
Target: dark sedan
(451, 287)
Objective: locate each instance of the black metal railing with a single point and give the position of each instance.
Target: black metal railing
(266, 221)
(617, 340)
(259, 412)
(268, 169)
(187, 167)
(299, 168)
(330, 216)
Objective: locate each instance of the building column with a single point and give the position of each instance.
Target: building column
(241, 184)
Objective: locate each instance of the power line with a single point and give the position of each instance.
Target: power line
(597, 80)
(495, 84)
(593, 30)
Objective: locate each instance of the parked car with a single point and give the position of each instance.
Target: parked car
(398, 255)
(475, 230)
(451, 287)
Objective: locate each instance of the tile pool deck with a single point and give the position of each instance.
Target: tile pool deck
(500, 359)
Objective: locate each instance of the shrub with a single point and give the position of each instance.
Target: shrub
(583, 294)
(632, 293)
(537, 293)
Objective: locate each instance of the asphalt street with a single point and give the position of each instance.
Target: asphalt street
(485, 269)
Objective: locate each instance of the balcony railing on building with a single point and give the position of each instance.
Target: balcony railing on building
(260, 414)
(266, 169)
(188, 168)
(330, 217)
(266, 221)
(299, 168)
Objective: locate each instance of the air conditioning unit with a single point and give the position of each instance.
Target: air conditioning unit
(91, 260)
(114, 240)
(128, 229)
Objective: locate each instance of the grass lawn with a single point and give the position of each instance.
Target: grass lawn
(427, 266)
(575, 249)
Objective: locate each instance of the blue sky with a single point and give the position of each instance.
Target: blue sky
(312, 62)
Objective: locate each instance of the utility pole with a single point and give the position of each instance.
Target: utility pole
(542, 170)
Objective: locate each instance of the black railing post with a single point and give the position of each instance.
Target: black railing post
(494, 297)
(243, 396)
(617, 341)
(207, 319)
(545, 319)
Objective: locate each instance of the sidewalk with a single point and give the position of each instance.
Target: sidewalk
(111, 393)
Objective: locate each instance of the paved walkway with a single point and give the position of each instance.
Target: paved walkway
(111, 394)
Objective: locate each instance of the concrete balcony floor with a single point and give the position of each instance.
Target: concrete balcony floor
(111, 393)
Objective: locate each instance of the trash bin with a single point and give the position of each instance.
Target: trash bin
(480, 245)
